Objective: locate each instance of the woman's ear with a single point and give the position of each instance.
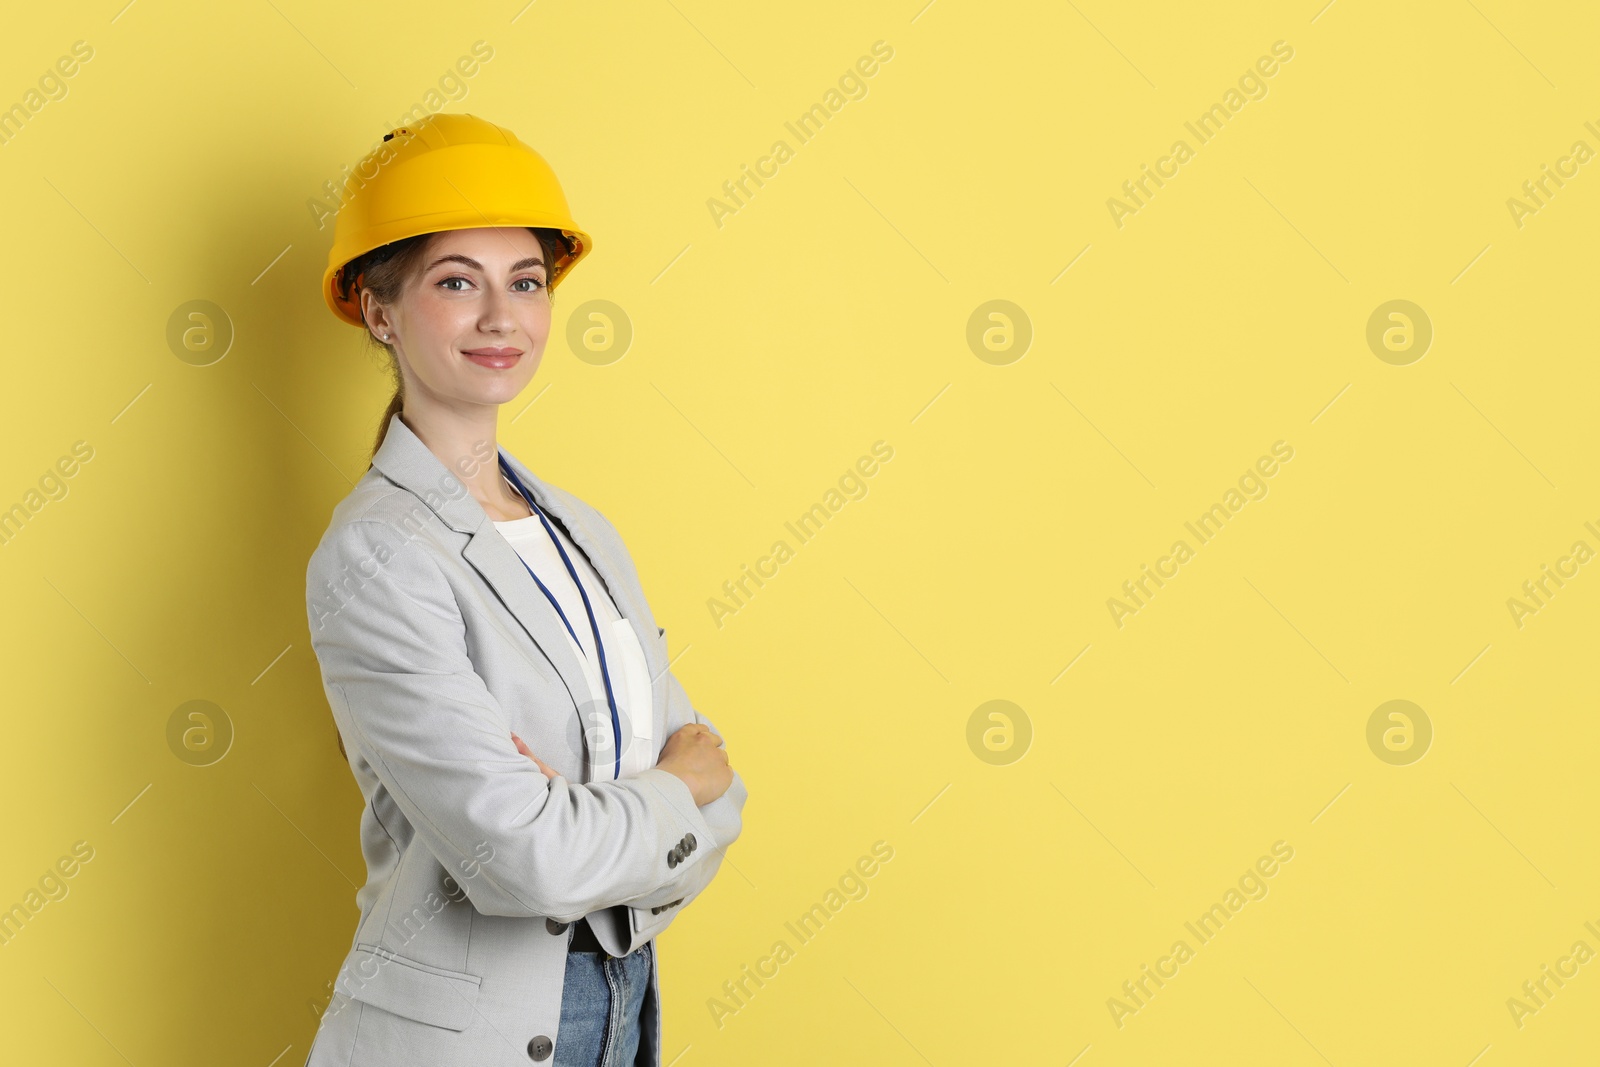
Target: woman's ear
(376, 316)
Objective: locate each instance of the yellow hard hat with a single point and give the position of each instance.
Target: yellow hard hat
(445, 172)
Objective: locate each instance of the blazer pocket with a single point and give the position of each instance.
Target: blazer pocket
(409, 988)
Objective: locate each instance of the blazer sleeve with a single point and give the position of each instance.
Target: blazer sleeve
(652, 913)
(407, 699)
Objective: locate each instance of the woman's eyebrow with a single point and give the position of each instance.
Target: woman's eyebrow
(456, 257)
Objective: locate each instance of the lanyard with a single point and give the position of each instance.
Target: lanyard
(611, 700)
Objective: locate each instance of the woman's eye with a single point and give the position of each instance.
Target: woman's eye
(534, 284)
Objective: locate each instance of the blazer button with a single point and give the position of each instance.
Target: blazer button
(555, 927)
(673, 858)
(689, 838)
(540, 1048)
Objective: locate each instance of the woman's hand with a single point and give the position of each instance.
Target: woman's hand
(696, 755)
(522, 748)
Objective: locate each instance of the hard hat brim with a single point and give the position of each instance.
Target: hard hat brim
(350, 310)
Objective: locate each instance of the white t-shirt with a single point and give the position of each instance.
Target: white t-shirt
(529, 537)
(625, 664)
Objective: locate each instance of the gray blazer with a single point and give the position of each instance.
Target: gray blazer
(435, 646)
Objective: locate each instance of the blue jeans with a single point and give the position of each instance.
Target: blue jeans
(601, 1001)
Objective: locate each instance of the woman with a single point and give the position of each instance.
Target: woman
(499, 684)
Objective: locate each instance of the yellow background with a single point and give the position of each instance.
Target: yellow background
(829, 312)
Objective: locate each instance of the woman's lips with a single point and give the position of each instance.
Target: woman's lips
(497, 358)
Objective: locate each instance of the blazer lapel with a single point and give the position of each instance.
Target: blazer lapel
(409, 463)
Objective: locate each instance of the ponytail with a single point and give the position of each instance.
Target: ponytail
(396, 402)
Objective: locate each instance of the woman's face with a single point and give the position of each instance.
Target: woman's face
(471, 327)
